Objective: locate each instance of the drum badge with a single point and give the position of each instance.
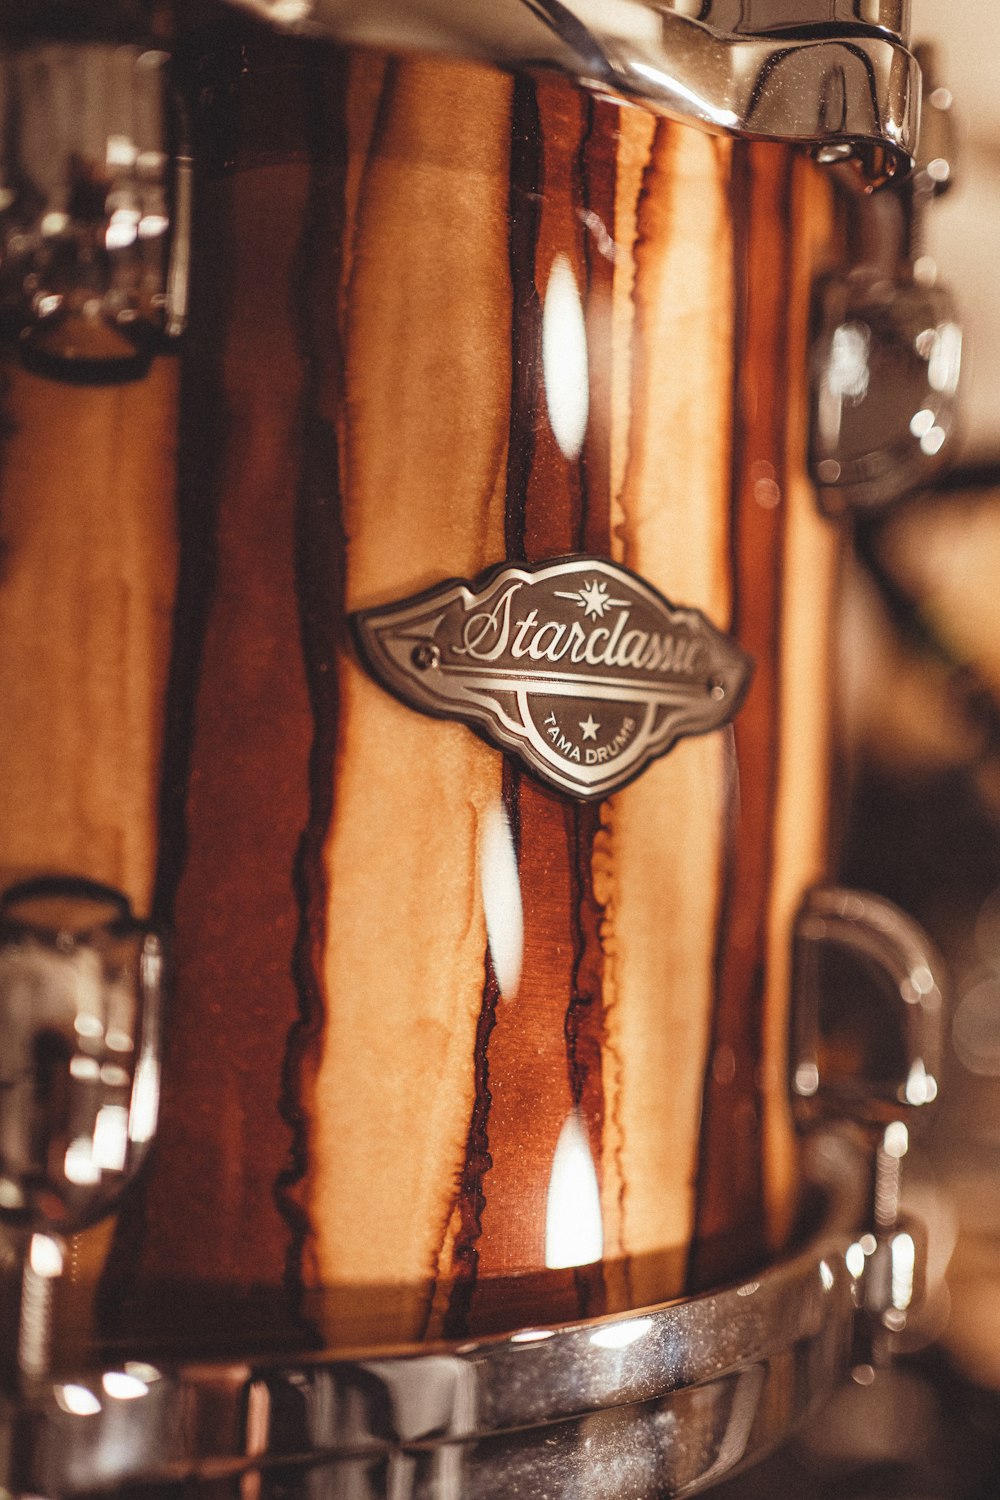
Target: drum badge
(576, 666)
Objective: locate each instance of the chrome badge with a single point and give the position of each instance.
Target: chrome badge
(576, 666)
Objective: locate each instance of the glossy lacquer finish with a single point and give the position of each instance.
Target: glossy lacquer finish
(447, 1052)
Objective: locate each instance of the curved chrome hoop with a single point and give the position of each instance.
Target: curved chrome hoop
(654, 1402)
(835, 75)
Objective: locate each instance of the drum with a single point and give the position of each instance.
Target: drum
(439, 658)
(440, 1034)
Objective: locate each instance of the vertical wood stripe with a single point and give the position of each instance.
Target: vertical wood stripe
(730, 1181)
(808, 690)
(87, 575)
(424, 434)
(660, 855)
(359, 1120)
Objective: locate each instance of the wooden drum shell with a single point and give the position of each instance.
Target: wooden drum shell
(366, 1105)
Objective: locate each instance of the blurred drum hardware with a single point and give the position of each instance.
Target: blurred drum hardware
(418, 731)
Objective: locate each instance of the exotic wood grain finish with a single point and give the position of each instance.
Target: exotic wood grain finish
(373, 1080)
(87, 569)
(88, 564)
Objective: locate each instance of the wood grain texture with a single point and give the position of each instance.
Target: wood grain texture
(88, 550)
(423, 434)
(367, 1099)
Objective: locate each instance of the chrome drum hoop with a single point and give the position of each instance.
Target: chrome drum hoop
(841, 81)
(662, 1400)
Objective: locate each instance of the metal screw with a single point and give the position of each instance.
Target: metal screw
(425, 656)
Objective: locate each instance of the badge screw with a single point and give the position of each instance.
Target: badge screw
(716, 688)
(425, 656)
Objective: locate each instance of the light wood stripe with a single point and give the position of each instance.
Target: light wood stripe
(424, 431)
(657, 871)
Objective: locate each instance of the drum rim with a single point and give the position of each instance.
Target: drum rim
(692, 71)
(772, 1347)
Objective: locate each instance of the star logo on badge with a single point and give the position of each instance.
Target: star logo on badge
(593, 599)
(590, 727)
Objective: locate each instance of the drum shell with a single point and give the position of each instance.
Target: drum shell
(378, 1092)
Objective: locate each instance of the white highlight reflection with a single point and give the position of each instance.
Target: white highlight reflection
(620, 1335)
(79, 1165)
(921, 1086)
(574, 1227)
(855, 1260)
(45, 1256)
(564, 358)
(77, 1400)
(904, 1259)
(111, 1137)
(124, 1387)
(501, 890)
(946, 358)
(145, 1100)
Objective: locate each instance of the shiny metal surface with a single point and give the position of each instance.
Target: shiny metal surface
(579, 667)
(830, 1078)
(80, 999)
(93, 202)
(888, 352)
(772, 15)
(886, 363)
(80, 993)
(660, 1401)
(764, 73)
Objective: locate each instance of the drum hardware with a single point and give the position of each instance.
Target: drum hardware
(887, 356)
(827, 1081)
(741, 18)
(80, 995)
(94, 203)
(521, 658)
(653, 1400)
(852, 95)
(658, 1401)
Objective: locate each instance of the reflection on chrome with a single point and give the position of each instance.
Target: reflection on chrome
(620, 1335)
(896, 1141)
(904, 1260)
(84, 237)
(944, 361)
(121, 1386)
(574, 1226)
(672, 88)
(921, 1086)
(841, 87)
(145, 1105)
(564, 358)
(845, 379)
(111, 1137)
(45, 1256)
(501, 891)
(806, 1079)
(77, 1400)
(79, 1166)
(855, 1259)
(887, 367)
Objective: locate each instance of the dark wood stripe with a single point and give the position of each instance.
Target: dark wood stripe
(236, 800)
(551, 1014)
(320, 563)
(730, 1225)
